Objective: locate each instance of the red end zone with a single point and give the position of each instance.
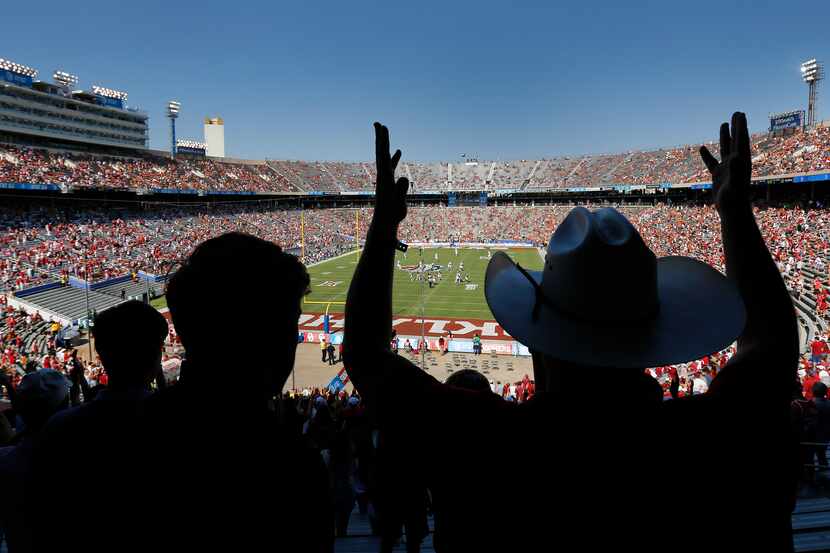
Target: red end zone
(411, 326)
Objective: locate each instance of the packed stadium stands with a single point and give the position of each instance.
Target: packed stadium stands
(43, 246)
(800, 152)
(40, 166)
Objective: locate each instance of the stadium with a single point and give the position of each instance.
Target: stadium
(91, 217)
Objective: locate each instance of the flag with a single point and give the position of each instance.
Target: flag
(338, 382)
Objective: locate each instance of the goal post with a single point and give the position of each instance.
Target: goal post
(328, 304)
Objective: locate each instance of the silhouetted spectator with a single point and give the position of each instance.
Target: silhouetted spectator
(107, 434)
(603, 309)
(39, 395)
(822, 430)
(239, 480)
(401, 493)
(469, 379)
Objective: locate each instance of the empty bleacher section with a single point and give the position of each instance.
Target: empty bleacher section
(132, 289)
(511, 174)
(350, 176)
(68, 302)
(309, 175)
(468, 176)
(551, 173)
(434, 176)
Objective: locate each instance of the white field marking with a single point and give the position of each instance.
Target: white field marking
(326, 273)
(470, 286)
(341, 267)
(330, 283)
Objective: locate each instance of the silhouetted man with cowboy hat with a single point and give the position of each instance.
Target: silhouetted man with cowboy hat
(596, 460)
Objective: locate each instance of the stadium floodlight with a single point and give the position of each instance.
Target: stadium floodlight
(18, 68)
(65, 79)
(812, 72)
(109, 93)
(192, 144)
(173, 109)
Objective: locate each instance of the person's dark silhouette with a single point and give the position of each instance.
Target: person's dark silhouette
(822, 431)
(595, 472)
(39, 396)
(469, 379)
(401, 497)
(451, 489)
(104, 437)
(234, 477)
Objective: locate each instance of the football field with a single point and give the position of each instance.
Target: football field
(330, 282)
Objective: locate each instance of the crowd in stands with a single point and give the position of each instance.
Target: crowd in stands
(38, 243)
(310, 457)
(39, 166)
(773, 155)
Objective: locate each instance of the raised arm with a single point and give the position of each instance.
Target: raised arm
(770, 340)
(369, 304)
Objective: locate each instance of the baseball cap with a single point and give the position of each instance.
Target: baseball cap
(46, 386)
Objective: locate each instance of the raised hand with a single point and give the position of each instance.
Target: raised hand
(731, 176)
(390, 195)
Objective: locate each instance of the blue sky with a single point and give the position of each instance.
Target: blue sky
(305, 80)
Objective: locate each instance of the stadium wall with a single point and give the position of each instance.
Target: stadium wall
(36, 289)
(456, 345)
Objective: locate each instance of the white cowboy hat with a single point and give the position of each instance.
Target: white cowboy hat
(604, 299)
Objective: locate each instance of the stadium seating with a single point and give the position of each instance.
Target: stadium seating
(70, 302)
(801, 152)
(468, 176)
(44, 246)
(350, 176)
(511, 174)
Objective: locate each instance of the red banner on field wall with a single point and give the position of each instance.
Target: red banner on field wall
(411, 326)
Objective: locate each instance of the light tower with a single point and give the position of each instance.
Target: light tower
(18, 68)
(66, 80)
(812, 72)
(173, 108)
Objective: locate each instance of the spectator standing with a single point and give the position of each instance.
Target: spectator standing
(38, 396)
(822, 430)
(330, 353)
(106, 433)
(265, 483)
(579, 323)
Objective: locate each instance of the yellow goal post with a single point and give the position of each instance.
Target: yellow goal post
(328, 304)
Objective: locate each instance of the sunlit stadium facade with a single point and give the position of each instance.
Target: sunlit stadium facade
(51, 111)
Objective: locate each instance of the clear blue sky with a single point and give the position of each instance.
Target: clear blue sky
(503, 80)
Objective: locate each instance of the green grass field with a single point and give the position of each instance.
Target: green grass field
(330, 283)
